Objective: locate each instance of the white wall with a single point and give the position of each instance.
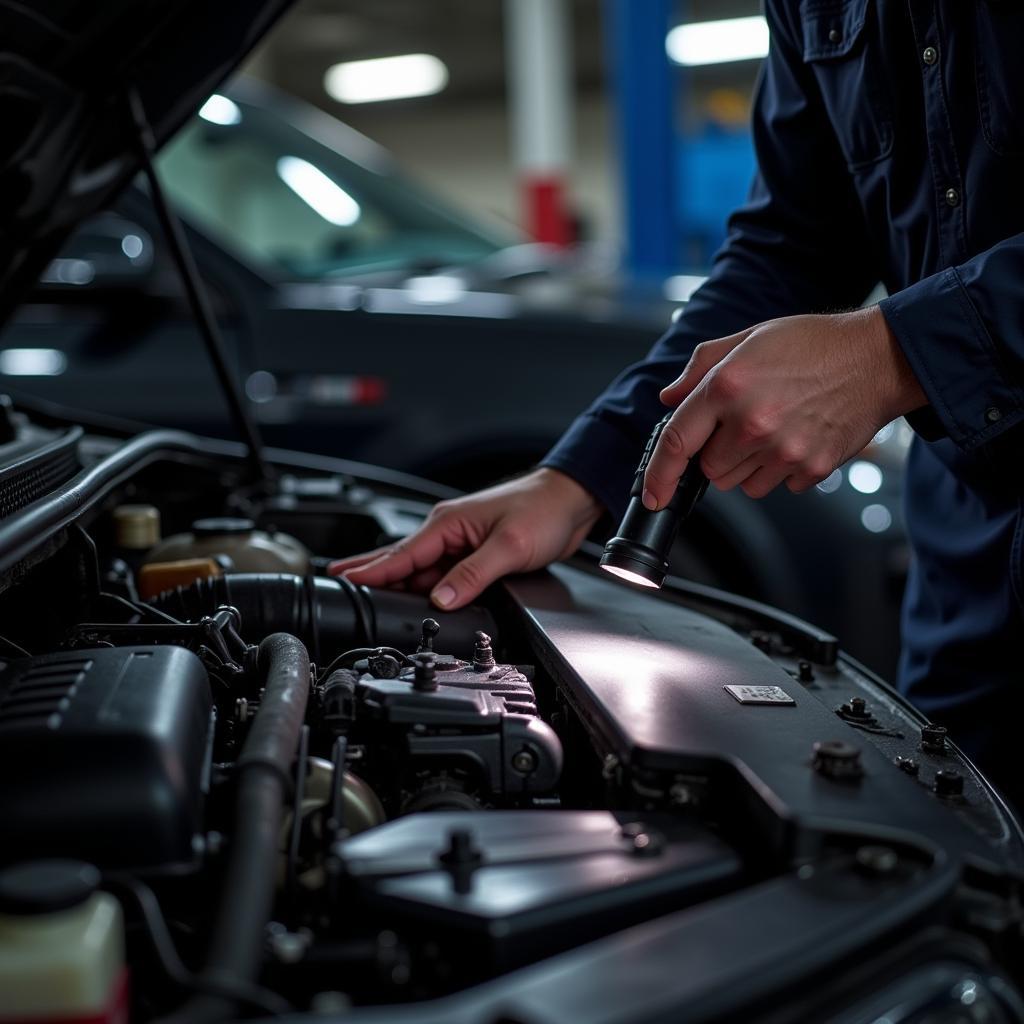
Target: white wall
(463, 153)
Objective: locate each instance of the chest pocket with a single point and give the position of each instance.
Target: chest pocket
(850, 71)
(1000, 74)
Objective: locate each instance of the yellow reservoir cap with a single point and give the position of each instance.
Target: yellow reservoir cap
(156, 577)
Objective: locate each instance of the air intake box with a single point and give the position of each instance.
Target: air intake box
(103, 756)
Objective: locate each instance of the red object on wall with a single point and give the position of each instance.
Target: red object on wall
(546, 216)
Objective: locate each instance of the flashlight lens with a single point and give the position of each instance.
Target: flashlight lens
(628, 574)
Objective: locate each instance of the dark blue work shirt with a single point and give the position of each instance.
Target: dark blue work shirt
(890, 145)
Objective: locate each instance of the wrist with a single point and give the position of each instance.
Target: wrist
(571, 495)
(905, 393)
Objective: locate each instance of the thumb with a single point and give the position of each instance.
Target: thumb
(501, 553)
(705, 356)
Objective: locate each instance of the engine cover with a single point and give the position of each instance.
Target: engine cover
(104, 755)
(509, 886)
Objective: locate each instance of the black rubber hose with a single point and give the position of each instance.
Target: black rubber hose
(324, 615)
(262, 779)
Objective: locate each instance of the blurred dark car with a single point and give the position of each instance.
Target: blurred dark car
(366, 317)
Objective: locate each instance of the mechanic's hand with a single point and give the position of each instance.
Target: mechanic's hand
(787, 400)
(513, 527)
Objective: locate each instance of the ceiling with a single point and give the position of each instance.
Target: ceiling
(465, 34)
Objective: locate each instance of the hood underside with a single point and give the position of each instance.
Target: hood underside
(66, 69)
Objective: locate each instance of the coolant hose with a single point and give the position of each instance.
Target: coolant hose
(262, 779)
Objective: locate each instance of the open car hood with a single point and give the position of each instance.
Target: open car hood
(68, 143)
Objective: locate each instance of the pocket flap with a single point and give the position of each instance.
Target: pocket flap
(831, 27)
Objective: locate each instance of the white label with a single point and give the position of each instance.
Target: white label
(760, 694)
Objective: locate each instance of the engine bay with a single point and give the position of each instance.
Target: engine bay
(306, 796)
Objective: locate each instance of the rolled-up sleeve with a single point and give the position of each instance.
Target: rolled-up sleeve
(962, 331)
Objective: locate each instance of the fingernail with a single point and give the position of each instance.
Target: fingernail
(650, 501)
(443, 596)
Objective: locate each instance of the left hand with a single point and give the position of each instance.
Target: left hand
(787, 400)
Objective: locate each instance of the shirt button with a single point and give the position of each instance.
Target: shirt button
(930, 55)
(993, 415)
(952, 197)
(835, 36)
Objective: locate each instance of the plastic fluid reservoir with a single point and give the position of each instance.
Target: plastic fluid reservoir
(61, 946)
(249, 549)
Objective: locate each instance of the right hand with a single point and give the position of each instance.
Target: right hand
(514, 527)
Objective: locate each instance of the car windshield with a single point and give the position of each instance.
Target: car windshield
(275, 195)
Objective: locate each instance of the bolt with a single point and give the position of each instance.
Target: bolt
(642, 841)
(877, 860)
(524, 761)
(609, 766)
(461, 859)
(933, 739)
(949, 783)
(805, 672)
(761, 640)
(483, 654)
(856, 710)
(680, 794)
(424, 677)
(241, 710)
(837, 760)
(428, 630)
(908, 765)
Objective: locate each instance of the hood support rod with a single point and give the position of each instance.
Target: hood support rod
(196, 294)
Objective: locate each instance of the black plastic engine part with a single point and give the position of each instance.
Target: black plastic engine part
(484, 722)
(326, 613)
(78, 727)
(523, 884)
(46, 886)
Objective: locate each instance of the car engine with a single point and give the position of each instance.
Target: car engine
(570, 801)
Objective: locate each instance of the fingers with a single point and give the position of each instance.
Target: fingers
(704, 358)
(690, 426)
(737, 474)
(503, 552)
(401, 560)
(342, 565)
(763, 480)
(425, 581)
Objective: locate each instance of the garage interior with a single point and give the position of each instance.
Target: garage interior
(508, 512)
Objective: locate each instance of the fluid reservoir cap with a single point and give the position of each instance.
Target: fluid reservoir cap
(46, 886)
(137, 526)
(222, 526)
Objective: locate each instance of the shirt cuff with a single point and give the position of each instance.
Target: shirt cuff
(599, 457)
(955, 361)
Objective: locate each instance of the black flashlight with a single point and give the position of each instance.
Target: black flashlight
(639, 551)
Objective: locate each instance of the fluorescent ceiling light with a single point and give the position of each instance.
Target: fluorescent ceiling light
(32, 362)
(718, 42)
(318, 191)
(220, 110)
(386, 78)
